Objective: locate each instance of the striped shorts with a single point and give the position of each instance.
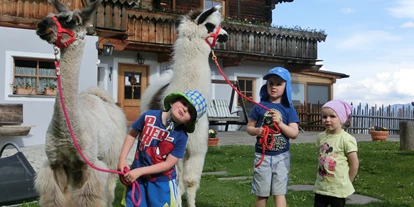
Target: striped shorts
(271, 177)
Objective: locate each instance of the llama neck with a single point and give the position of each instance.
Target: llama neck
(191, 60)
(70, 60)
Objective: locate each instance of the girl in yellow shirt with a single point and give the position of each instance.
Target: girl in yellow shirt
(338, 160)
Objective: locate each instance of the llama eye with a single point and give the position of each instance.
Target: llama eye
(210, 27)
(66, 23)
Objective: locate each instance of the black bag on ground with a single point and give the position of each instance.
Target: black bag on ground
(16, 178)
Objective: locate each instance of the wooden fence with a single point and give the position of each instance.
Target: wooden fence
(362, 118)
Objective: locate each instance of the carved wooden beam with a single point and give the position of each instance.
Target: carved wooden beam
(119, 44)
(231, 62)
(15, 22)
(111, 34)
(164, 57)
(149, 47)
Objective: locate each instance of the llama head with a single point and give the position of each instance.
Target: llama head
(66, 25)
(203, 25)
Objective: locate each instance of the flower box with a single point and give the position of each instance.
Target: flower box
(50, 91)
(25, 91)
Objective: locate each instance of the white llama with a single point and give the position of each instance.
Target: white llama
(190, 70)
(99, 125)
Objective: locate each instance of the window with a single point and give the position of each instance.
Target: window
(132, 86)
(247, 86)
(210, 3)
(318, 94)
(34, 77)
(298, 92)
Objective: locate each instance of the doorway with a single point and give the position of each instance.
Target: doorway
(132, 82)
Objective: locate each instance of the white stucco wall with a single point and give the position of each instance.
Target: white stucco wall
(36, 111)
(128, 57)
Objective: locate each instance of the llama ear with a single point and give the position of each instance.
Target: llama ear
(59, 6)
(87, 12)
(207, 13)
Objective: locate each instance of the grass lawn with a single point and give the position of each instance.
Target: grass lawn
(385, 173)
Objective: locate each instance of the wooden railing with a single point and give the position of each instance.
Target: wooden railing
(160, 28)
(362, 117)
(113, 16)
(151, 27)
(310, 117)
(271, 41)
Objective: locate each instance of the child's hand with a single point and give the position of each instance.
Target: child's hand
(132, 175)
(276, 117)
(122, 164)
(259, 131)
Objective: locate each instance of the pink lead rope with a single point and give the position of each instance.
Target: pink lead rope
(59, 44)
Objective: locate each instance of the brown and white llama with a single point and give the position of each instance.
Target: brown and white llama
(190, 70)
(99, 125)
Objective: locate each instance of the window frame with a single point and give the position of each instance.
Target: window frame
(243, 91)
(318, 84)
(223, 6)
(37, 75)
(9, 75)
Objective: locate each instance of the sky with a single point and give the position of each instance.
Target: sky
(370, 40)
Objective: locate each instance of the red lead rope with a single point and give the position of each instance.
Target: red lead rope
(263, 140)
(266, 129)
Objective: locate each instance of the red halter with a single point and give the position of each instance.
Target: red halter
(62, 30)
(214, 36)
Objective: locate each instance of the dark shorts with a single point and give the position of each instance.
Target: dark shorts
(325, 201)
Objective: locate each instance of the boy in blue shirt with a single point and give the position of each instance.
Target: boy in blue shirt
(161, 142)
(272, 157)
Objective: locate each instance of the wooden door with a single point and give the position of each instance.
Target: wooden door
(132, 82)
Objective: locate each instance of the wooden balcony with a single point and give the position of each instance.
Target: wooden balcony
(144, 30)
(269, 41)
(156, 32)
(23, 14)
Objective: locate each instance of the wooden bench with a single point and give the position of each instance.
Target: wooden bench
(219, 113)
(11, 116)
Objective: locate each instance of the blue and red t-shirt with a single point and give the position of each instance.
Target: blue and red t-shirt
(155, 143)
(264, 118)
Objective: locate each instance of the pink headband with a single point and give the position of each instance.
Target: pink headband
(341, 108)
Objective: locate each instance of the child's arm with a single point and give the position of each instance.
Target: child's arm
(291, 131)
(153, 169)
(128, 142)
(252, 129)
(353, 165)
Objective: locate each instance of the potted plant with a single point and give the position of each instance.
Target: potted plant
(212, 137)
(50, 89)
(378, 133)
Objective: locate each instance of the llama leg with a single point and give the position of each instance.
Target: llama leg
(193, 167)
(92, 186)
(180, 182)
(112, 178)
(52, 186)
